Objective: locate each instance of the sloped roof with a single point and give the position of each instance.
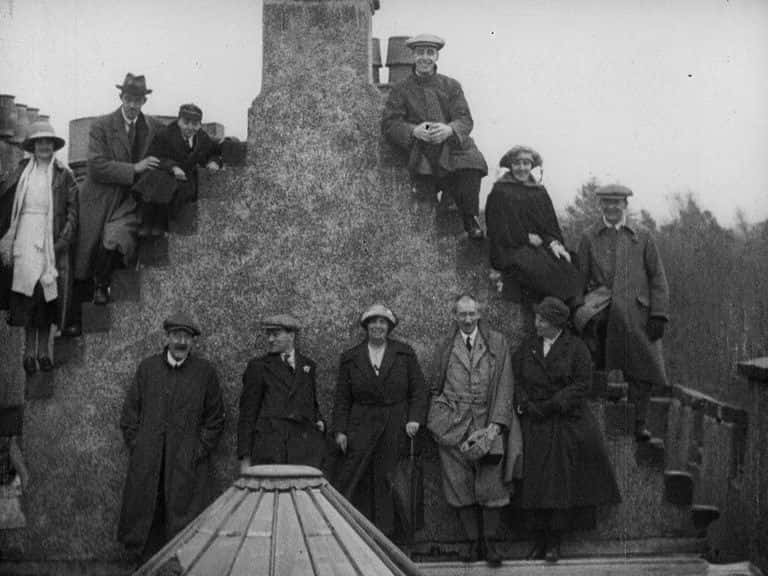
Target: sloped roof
(279, 521)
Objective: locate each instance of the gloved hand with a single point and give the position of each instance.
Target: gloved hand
(655, 328)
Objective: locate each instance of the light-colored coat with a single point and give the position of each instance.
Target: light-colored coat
(453, 417)
(639, 290)
(107, 209)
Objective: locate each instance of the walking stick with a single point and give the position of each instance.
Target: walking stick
(412, 483)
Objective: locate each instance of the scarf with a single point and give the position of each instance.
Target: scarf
(49, 275)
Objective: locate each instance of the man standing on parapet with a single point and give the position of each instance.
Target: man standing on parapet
(427, 116)
(627, 301)
(280, 420)
(173, 416)
(108, 227)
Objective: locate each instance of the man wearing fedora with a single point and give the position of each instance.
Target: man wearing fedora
(172, 418)
(280, 420)
(117, 148)
(472, 419)
(627, 302)
(427, 117)
(180, 147)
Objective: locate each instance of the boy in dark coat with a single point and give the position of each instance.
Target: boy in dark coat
(180, 147)
(280, 420)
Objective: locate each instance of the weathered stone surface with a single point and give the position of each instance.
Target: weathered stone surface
(96, 318)
(125, 285)
(39, 386)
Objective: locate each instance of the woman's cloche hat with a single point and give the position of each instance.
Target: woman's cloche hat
(378, 310)
(38, 130)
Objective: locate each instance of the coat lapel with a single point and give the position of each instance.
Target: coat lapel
(119, 133)
(387, 361)
(460, 350)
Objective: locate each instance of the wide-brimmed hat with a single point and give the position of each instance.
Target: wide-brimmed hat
(181, 321)
(378, 310)
(135, 85)
(553, 310)
(190, 112)
(285, 321)
(425, 40)
(39, 130)
(613, 191)
(515, 151)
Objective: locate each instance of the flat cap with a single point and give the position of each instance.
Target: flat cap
(181, 321)
(553, 310)
(425, 40)
(281, 321)
(378, 310)
(190, 112)
(613, 191)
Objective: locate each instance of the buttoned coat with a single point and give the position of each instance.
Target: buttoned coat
(408, 105)
(452, 419)
(565, 462)
(172, 419)
(639, 290)
(107, 209)
(372, 411)
(272, 394)
(65, 217)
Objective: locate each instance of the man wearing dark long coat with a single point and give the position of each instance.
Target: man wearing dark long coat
(472, 395)
(627, 304)
(280, 420)
(427, 116)
(380, 404)
(117, 146)
(173, 416)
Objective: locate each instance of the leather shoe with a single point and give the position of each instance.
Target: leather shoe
(72, 331)
(492, 556)
(474, 554)
(101, 296)
(30, 366)
(46, 365)
(553, 553)
(537, 551)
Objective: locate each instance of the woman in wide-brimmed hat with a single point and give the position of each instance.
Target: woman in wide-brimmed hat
(526, 243)
(36, 231)
(381, 401)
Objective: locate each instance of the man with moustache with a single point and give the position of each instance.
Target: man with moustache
(280, 420)
(172, 418)
(117, 146)
(473, 422)
(626, 308)
(427, 116)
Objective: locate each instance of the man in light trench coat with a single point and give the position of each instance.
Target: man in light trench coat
(627, 302)
(476, 429)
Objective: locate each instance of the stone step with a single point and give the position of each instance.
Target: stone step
(703, 515)
(678, 487)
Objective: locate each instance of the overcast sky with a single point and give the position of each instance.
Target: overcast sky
(665, 96)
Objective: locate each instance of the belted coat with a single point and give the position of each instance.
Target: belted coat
(487, 386)
(628, 262)
(372, 411)
(171, 421)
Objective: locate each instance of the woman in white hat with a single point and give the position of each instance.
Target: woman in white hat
(35, 234)
(381, 402)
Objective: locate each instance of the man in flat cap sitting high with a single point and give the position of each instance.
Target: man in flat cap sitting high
(173, 416)
(427, 116)
(627, 302)
(280, 420)
(117, 156)
(180, 148)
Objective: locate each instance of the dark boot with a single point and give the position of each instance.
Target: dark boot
(470, 520)
(491, 520)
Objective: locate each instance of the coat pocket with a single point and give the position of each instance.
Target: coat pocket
(443, 422)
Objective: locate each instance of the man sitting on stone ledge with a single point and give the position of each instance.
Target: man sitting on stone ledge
(427, 116)
(180, 148)
(117, 146)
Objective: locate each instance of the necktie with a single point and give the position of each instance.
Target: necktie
(131, 133)
(469, 344)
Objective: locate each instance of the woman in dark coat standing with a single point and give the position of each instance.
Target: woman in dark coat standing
(566, 470)
(37, 229)
(526, 242)
(381, 402)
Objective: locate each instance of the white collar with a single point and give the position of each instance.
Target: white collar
(172, 361)
(125, 118)
(550, 341)
(472, 336)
